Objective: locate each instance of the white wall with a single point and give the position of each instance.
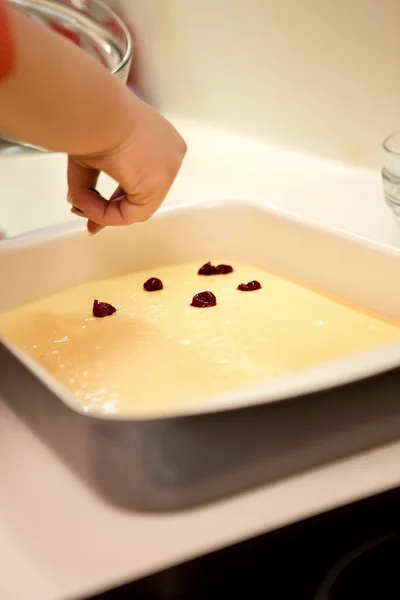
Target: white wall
(319, 75)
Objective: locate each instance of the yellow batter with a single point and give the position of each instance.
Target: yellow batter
(158, 350)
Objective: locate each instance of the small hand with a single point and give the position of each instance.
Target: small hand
(144, 165)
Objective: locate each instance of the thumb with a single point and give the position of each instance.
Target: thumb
(82, 181)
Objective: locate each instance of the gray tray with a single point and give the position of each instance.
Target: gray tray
(183, 462)
(183, 459)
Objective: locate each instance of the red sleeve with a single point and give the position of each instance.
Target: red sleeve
(7, 48)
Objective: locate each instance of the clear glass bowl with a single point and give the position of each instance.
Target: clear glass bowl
(90, 24)
(391, 173)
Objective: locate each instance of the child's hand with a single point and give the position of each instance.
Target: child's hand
(77, 107)
(144, 165)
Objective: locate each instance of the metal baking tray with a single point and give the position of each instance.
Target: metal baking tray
(219, 445)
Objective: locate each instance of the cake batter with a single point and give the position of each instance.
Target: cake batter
(157, 349)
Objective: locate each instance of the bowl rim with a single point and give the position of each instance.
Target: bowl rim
(128, 54)
(385, 144)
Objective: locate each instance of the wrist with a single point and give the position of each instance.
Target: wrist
(120, 129)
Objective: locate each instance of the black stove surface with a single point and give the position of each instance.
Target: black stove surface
(286, 564)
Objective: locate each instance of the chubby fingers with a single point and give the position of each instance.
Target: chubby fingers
(122, 209)
(93, 227)
(81, 179)
(135, 204)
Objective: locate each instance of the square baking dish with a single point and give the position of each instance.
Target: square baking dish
(219, 445)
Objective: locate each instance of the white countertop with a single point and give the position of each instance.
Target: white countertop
(59, 540)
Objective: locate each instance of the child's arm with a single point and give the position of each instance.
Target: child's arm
(60, 98)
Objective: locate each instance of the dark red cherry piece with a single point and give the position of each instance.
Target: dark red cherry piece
(209, 269)
(102, 309)
(224, 269)
(153, 284)
(204, 300)
(249, 287)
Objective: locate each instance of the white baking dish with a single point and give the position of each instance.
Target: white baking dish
(44, 262)
(47, 261)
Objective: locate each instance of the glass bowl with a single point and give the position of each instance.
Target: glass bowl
(391, 173)
(90, 24)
